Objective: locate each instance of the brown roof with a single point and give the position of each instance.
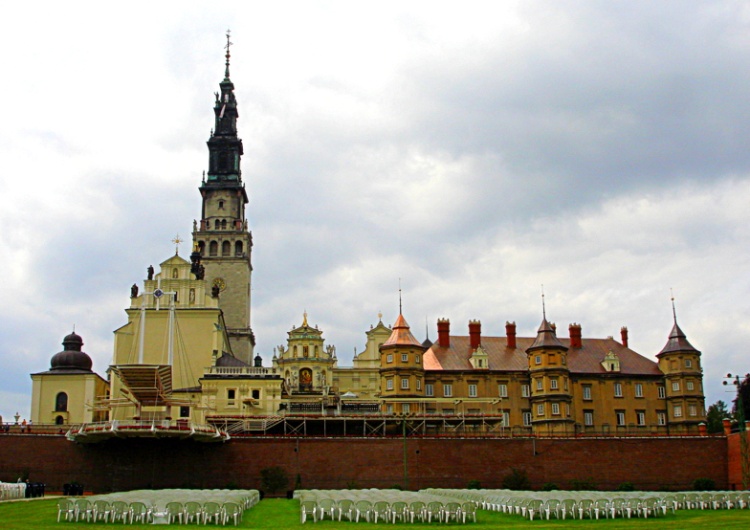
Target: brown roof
(677, 341)
(401, 335)
(585, 360)
(546, 337)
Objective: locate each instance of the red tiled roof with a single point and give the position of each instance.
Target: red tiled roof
(585, 360)
(401, 335)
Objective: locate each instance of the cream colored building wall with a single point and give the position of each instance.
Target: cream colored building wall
(364, 382)
(215, 400)
(82, 390)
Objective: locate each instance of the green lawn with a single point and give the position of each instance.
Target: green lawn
(281, 513)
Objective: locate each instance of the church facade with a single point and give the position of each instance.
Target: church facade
(187, 353)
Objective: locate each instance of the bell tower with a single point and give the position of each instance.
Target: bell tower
(222, 242)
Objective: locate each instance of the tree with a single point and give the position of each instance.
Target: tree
(743, 392)
(274, 479)
(715, 416)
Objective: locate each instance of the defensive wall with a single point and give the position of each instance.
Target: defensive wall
(650, 463)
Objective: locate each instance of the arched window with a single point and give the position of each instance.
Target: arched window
(59, 420)
(61, 402)
(175, 273)
(221, 205)
(226, 248)
(213, 249)
(238, 248)
(223, 224)
(201, 247)
(217, 224)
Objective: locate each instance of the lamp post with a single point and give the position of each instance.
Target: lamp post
(745, 457)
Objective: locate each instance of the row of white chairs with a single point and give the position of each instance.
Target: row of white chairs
(12, 490)
(382, 505)
(161, 506)
(593, 504)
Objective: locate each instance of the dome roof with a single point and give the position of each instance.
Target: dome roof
(71, 358)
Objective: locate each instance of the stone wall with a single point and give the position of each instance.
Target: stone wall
(649, 463)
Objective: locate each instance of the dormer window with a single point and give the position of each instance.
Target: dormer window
(611, 362)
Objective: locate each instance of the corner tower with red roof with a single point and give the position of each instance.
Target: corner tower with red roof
(401, 370)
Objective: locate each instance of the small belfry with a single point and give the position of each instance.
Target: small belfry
(222, 239)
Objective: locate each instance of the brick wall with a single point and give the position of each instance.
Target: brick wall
(649, 463)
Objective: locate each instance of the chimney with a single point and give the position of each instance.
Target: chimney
(444, 331)
(575, 335)
(624, 335)
(510, 332)
(475, 334)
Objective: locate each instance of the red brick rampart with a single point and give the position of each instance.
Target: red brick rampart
(649, 463)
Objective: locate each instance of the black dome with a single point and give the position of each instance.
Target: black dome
(71, 358)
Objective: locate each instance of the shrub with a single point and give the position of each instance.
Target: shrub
(549, 486)
(704, 484)
(274, 479)
(626, 486)
(516, 480)
(474, 485)
(583, 485)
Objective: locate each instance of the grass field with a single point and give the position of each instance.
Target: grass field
(282, 513)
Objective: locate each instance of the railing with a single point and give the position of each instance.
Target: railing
(242, 370)
(145, 428)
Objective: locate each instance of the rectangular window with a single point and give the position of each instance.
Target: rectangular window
(405, 408)
(639, 390)
(641, 417)
(231, 393)
(692, 410)
(389, 358)
(556, 409)
(526, 418)
(553, 383)
(419, 384)
(540, 409)
(620, 418)
(690, 385)
(389, 384)
(447, 390)
(688, 363)
(417, 359)
(525, 391)
(472, 390)
(586, 392)
(661, 418)
(538, 359)
(662, 392)
(429, 389)
(389, 409)
(184, 412)
(502, 390)
(506, 418)
(404, 383)
(256, 394)
(677, 411)
(675, 386)
(588, 418)
(539, 384)
(618, 389)
(404, 357)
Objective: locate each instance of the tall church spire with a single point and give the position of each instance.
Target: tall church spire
(222, 240)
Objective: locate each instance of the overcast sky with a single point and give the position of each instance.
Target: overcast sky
(476, 150)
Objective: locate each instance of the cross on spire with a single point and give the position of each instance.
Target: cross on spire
(228, 54)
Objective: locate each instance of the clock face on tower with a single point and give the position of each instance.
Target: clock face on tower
(220, 283)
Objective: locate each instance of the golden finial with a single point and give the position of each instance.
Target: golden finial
(380, 316)
(177, 242)
(304, 319)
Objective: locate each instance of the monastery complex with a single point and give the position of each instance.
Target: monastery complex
(184, 362)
